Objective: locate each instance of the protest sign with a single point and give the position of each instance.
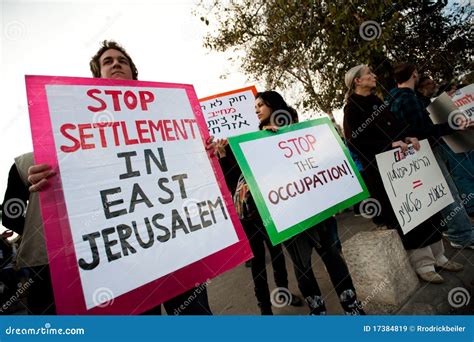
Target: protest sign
(455, 110)
(414, 184)
(298, 176)
(464, 99)
(231, 113)
(135, 215)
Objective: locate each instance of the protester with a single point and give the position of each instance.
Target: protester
(32, 253)
(273, 112)
(460, 165)
(255, 231)
(8, 276)
(425, 90)
(113, 62)
(384, 132)
(412, 115)
(448, 88)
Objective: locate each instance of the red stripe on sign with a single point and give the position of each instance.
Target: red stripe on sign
(417, 183)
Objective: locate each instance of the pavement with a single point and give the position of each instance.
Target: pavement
(232, 292)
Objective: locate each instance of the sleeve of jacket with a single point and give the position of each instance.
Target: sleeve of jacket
(14, 202)
(231, 169)
(357, 134)
(415, 118)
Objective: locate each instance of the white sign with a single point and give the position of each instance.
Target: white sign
(464, 99)
(414, 184)
(231, 113)
(455, 110)
(304, 175)
(140, 192)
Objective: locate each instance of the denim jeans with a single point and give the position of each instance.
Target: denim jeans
(461, 166)
(455, 217)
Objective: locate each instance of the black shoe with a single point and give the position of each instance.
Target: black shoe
(266, 310)
(248, 263)
(350, 304)
(316, 305)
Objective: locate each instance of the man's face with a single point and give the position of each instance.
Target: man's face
(428, 87)
(114, 64)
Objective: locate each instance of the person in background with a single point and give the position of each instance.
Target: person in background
(32, 253)
(460, 165)
(411, 113)
(425, 89)
(383, 133)
(8, 274)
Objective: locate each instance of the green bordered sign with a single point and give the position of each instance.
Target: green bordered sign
(299, 176)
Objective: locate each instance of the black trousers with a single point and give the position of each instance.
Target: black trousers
(191, 302)
(258, 238)
(322, 237)
(10, 280)
(40, 298)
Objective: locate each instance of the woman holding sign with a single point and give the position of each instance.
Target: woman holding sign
(370, 128)
(257, 236)
(273, 112)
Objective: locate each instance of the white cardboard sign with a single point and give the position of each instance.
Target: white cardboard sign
(231, 113)
(414, 184)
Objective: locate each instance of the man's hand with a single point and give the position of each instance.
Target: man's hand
(38, 175)
(400, 144)
(461, 121)
(470, 124)
(414, 142)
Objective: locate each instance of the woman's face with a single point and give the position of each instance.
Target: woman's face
(367, 79)
(263, 111)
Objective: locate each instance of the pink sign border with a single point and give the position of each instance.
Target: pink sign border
(67, 286)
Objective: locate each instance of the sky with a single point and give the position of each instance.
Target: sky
(58, 38)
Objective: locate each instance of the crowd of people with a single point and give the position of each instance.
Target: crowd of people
(401, 119)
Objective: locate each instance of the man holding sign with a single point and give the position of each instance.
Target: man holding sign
(150, 221)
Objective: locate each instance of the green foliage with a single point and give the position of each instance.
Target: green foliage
(311, 44)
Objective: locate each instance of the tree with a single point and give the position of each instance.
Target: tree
(311, 44)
